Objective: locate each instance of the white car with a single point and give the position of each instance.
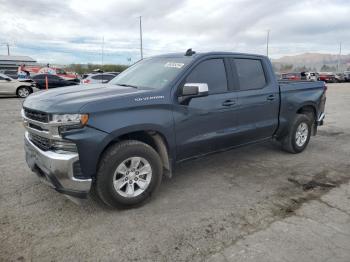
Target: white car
(97, 78)
(311, 76)
(10, 87)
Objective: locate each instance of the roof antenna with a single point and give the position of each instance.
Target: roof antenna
(189, 52)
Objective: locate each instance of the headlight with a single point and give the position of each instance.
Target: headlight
(67, 119)
(68, 122)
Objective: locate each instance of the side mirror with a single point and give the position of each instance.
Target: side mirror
(191, 90)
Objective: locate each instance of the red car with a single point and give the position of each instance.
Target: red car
(327, 77)
(291, 76)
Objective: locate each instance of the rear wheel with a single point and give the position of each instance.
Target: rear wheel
(129, 173)
(299, 134)
(23, 92)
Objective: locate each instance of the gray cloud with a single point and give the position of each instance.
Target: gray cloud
(75, 28)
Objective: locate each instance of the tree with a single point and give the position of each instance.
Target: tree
(286, 68)
(327, 68)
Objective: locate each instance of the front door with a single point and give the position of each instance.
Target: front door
(207, 123)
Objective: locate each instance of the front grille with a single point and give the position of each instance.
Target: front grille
(41, 142)
(36, 115)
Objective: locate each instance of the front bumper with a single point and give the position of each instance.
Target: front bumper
(56, 169)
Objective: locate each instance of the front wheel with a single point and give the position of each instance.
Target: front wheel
(23, 92)
(299, 135)
(129, 173)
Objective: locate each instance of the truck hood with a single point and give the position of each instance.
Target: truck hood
(71, 99)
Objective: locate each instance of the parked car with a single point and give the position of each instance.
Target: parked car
(291, 76)
(339, 78)
(98, 78)
(121, 139)
(326, 77)
(11, 87)
(54, 81)
(347, 76)
(113, 73)
(311, 76)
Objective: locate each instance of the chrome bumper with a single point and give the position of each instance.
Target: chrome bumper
(55, 169)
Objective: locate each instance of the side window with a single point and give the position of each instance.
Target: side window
(53, 77)
(1, 78)
(213, 73)
(250, 74)
(97, 77)
(39, 77)
(108, 77)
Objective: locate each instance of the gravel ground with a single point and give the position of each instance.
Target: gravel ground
(210, 204)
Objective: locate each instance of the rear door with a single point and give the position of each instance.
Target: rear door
(207, 123)
(257, 99)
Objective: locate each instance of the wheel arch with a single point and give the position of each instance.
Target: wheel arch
(28, 87)
(311, 111)
(153, 138)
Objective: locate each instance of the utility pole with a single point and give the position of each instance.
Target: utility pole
(141, 51)
(8, 49)
(102, 53)
(339, 55)
(267, 42)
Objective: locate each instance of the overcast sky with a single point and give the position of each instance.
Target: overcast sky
(72, 31)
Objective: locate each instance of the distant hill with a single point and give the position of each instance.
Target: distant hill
(313, 61)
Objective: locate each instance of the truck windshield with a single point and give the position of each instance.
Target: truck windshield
(152, 73)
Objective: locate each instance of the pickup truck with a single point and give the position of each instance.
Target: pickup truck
(118, 140)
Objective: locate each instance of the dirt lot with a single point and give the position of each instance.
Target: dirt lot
(208, 205)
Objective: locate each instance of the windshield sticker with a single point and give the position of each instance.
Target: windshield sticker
(174, 65)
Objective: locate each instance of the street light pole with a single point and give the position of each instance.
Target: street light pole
(339, 64)
(267, 42)
(141, 51)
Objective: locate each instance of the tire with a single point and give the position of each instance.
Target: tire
(23, 92)
(296, 141)
(119, 174)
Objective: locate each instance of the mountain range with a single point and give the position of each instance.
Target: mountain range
(314, 60)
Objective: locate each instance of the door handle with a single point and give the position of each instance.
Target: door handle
(229, 102)
(270, 97)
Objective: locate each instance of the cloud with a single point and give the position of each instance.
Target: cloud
(72, 31)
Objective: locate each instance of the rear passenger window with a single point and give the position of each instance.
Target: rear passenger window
(98, 77)
(211, 72)
(250, 74)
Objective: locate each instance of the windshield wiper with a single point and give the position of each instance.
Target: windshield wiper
(127, 85)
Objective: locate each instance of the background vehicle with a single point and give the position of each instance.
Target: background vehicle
(292, 76)
(339, 78)
(121, 139)
(311, 76)
(98, 78)
(36, 70)
(10, 87)
(113, 73)
(327, 77)
(54, 81)
(347, 76)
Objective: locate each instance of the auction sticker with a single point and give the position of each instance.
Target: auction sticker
(174, 65)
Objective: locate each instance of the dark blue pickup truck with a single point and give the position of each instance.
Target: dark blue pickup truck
(118, 140)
